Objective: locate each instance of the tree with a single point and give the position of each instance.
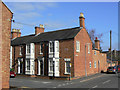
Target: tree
(93, 34)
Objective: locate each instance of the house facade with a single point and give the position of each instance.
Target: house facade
(58, 53)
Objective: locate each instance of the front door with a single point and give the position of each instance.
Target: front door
(20, 66)
(41, 67)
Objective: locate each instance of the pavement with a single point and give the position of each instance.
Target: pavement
(101, 80)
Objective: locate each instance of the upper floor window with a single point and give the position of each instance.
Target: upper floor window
(41, 48)
(77, 46)
(51, 47)
(95, 52)
(57, 46)
(21, 50)
(88, 48)
(28, 48)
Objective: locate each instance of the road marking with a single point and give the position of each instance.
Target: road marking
(106, 81)
(91, 78)
(36, 81)
(63, 84)
(24, 87)
(54, 87)
(95, 86)
(46, 82)
(59, 85)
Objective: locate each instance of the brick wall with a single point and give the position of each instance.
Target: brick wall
(66, 50)
(44, 55)
(101, 57)
(0, 44)
(79, 57)
(6, 29)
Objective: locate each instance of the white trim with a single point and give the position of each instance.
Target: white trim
(66, 60)
(40, 49)
(88, 47)
(39, 67)
(20, 51)
(77, 46)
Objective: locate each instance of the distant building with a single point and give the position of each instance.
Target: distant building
(57, 53)
(5, 30)
(115, 57)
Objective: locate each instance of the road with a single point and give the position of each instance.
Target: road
(94, 81)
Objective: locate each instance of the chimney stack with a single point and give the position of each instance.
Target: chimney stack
(16, 33)
(39, 30)
(82, 20)
(97, 43)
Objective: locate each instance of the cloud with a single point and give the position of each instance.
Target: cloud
(30, 6)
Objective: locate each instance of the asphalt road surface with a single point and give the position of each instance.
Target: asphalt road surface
(90, 82)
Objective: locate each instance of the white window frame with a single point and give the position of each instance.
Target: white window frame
(28, 48)
(50, 65)
(41, 49)
(67, 60)
(57, 46)
(89, 48)
(90, 64)
(51, 47)
(27, 65)
(94, 64)
(20, 51)
(94, 52)
(77, 46)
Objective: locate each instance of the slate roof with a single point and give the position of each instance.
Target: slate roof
(22, 40)
(69, 33)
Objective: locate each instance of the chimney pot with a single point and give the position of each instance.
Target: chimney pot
(16, 33)
(39, 29)
(82, 20)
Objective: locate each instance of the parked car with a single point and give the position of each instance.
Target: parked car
(12, 73)
(112, 69)
(118, 69)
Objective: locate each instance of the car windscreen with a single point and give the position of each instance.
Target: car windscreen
(110, 67)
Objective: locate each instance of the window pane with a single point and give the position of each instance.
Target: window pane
(67, 66)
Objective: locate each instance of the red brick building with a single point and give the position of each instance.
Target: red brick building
(5, 30)
(57, 53)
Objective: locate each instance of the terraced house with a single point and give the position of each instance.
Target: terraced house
(57, 53)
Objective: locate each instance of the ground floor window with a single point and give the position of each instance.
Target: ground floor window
(90, 64)
(28, 64)
(51, 65)
(67, 66)
(94, 64)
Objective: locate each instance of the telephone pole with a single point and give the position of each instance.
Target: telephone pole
(111, 45)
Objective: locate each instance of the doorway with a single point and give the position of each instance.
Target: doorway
(41, 67)
(20, 66)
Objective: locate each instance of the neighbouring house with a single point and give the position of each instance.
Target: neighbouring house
(5, 31)
(57, 53)
(115, 57)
